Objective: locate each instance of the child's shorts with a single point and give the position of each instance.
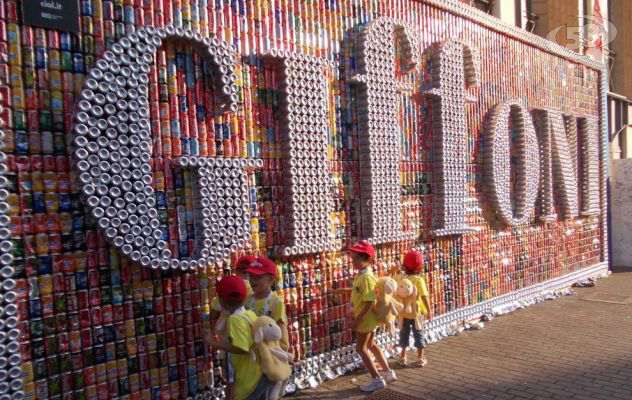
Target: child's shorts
(404, 334)
(229, 372)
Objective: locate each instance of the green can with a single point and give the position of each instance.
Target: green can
(50, 326)
(40, 370)
(78, 380)
(59, 302)
(54, 385)
(59, 143)
(46, 120)
(66, 61)
(18, 248)
(59, 122)
(30, 78)
(52, 365)
(106, 295)
(88, 356)
(119, 30)
(65, 362)
(19, 119)
(28, 57)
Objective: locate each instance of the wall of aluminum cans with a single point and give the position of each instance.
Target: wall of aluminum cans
(90, 312)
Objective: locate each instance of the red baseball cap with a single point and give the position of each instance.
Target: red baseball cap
(363, 247)
(244, 262)
(413, 261)
(262, 266)
(231, 288)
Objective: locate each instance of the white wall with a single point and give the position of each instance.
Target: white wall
(621, 212)
(505, 10)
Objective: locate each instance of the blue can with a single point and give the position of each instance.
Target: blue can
(183, 248)
(65, 204)
(115, 276)
(82, 280)
(21, 141)
(66, 242)
(65, 41)
(39, 203)
(165, 233)
(41, 58)
(78, 65)
(86, 7)
(129, 15)
(173, 373)
(78, 221)
(35, 308)
(194, 148)
(45, 266)
(117, 295)
(185, 146)
(193, 386)
(99, 354)
(109, 334)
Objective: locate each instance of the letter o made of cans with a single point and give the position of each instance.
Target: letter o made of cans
(10, 362)
(498, 164)
(113, 152)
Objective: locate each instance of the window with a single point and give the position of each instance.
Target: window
(531, 17)
(483, 5)
(619, 107)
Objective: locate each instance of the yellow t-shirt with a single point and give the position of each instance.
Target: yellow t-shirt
(363, 291)
(247, 372)
(422, 289)
(276, 311)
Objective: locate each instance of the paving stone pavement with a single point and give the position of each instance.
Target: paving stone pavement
(568, 348)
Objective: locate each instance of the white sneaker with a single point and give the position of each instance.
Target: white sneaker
(375, 384)
(390, 377)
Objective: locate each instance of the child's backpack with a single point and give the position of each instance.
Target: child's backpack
(386, 305)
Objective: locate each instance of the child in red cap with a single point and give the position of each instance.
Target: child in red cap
(363, 299)
(262, 274)
(219, 315)
(245, 378)
(411, 270)
(241, 266)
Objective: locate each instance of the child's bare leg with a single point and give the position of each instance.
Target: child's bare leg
(362, 341)
(377, 353)
(402, 354)
(230, 388)
(420, 353)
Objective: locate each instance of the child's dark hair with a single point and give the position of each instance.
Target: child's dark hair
(411, 272)
(365, 257)
(234, 302)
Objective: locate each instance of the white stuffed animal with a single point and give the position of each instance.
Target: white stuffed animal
(274, 361)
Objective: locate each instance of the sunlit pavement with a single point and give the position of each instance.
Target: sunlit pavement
(568, 348)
